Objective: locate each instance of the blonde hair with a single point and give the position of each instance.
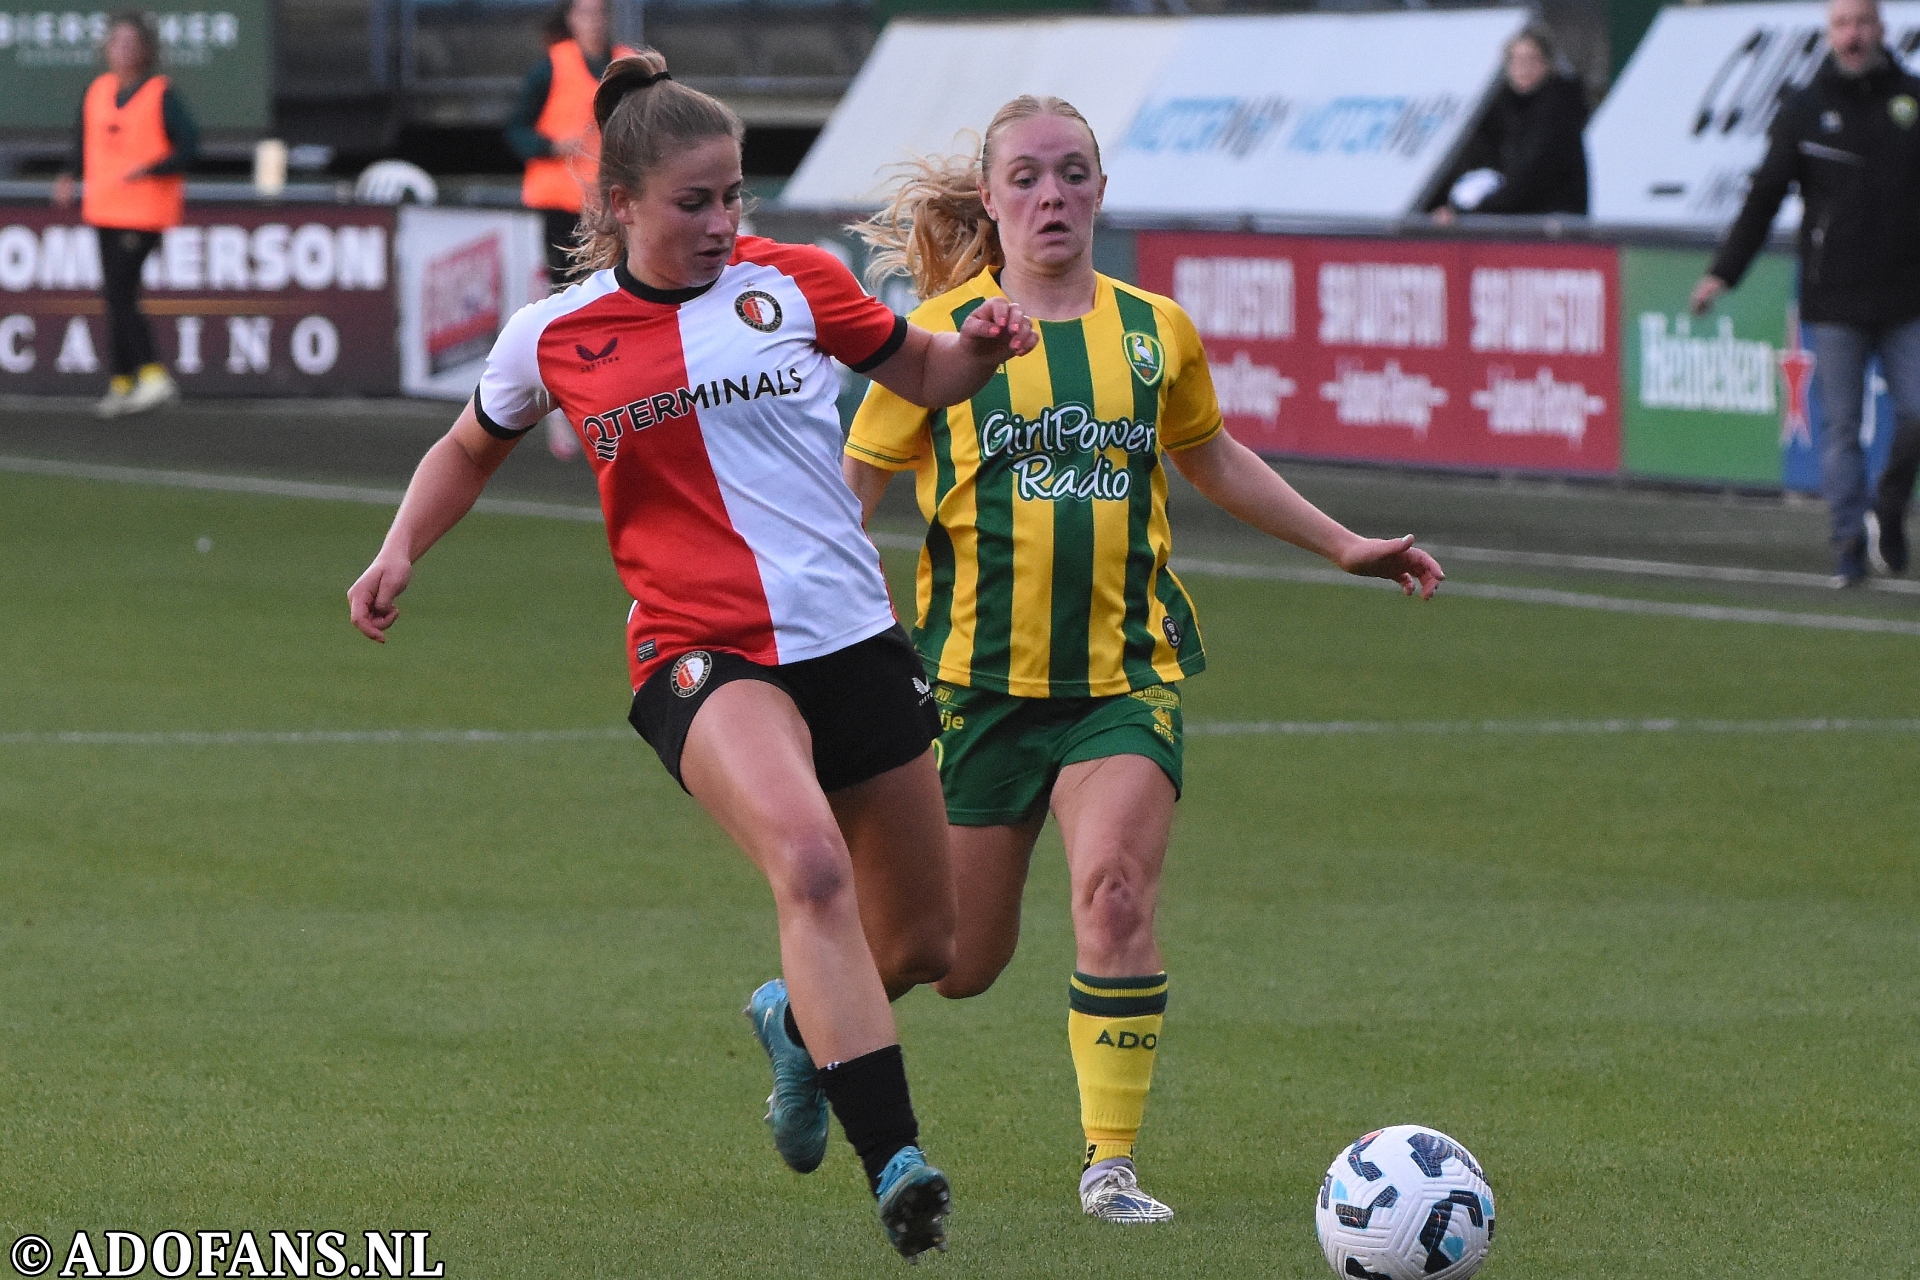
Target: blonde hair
(645, 117)
(935, 229)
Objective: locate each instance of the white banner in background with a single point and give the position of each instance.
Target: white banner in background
(926, 85)
(1335, 114)
(1686, 123)
(462, 273)
(1345, 115)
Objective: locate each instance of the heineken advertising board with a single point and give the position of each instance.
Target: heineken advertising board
(1714, 397)
(218, 54)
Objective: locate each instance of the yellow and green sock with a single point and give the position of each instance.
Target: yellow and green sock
(1113, 1027)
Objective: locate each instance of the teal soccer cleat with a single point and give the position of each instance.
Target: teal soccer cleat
(914, 1203)
(797, 1108)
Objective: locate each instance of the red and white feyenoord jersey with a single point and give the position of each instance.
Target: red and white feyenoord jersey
(708, 415)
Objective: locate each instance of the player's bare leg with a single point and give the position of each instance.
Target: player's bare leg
(1115, 815)
(990, 875)
(896, 833)
(748, 760)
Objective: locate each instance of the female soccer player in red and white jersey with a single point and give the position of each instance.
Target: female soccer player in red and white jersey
(1046, 608)
(768, 670)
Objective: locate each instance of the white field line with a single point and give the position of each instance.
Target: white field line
(280, 488)
(1214, 568)
(309, 737)
(1539, 728)
(1660, 568)
(1200, 729)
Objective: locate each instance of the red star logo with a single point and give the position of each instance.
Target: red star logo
(1796, 373)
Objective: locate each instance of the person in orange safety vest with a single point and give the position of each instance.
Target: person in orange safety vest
(132, 147)
(552, 127)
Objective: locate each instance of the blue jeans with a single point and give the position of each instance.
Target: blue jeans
(1840, 352)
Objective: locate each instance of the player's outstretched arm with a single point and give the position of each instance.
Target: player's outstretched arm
(934, 370)
(1233, 478)
(443, 489)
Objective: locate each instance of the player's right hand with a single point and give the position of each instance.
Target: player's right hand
(1705, 294)
(999, 329)
(370, 600)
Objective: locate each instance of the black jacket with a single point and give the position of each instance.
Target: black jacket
(1853, 145)
(1533, 141)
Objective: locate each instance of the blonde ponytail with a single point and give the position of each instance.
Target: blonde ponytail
(935, 229)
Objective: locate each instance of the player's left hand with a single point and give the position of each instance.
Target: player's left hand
(370, 600)
(998, 329)
(1397, 560)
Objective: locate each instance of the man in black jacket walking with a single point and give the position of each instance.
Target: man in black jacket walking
(1851, 140)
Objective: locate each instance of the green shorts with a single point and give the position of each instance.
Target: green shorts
(999, 755)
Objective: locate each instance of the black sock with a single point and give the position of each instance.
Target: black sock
(793, 1028)
(869, 1095)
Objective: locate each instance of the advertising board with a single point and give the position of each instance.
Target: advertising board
(1686, 122)
(244, 301)
(462, 273)
(929, 88)
(219, 56)
(1445, 353)
(1284, 114)
(1714, 398)
(1331, 114)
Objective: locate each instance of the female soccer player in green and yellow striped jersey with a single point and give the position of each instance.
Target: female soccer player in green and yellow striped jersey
(1045, 606)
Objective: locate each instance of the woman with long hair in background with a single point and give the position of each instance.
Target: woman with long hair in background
(768, 670)
(1056, 631)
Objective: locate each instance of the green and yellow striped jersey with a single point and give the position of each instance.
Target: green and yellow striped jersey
(1044, 572)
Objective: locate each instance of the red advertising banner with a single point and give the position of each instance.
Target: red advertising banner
(1447, 352)
(243, 301)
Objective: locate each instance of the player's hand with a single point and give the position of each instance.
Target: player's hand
(1705, 294)
(63, 191)
(370, 601)
(1000, 330)
(1397, 560)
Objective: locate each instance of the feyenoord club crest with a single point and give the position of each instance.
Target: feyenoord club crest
(690, 672)
(758, 310)
(1144, 354)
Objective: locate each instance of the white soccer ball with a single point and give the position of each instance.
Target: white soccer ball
(1406, 1203)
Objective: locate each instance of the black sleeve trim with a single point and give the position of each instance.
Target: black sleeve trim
(493, 428)
(894, 342)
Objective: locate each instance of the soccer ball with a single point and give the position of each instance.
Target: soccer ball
(1405, 1203)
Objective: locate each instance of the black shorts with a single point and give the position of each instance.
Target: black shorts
(869, 706)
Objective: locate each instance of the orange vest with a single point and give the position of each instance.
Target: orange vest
(119, 140)
(553, 182)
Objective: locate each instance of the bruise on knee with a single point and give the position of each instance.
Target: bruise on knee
(813, 872)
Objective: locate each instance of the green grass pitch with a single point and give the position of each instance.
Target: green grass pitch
(1664, 985)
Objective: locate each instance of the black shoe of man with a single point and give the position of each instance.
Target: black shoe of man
(1887, 540)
